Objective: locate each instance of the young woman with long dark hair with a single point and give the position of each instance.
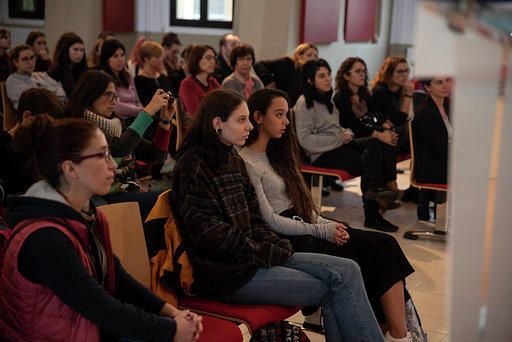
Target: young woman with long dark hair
(273, 163)
(330, 145)
(94, 99)
(113, 62)
(69, 61)
(235, 255)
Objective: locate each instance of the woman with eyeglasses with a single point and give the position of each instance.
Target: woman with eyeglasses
(201, 66)
(113, 62)
(359, 113)
(392, 93)
(60, 280)
(69, 61)
(94, 99)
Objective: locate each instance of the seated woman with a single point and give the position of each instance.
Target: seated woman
(60, 279)
(286, 73)
(37, 41)
(432, 132)
(360, 114)
(150, 78)
(113, 62)
(69, 61)
(241, 81)
(392, 93)
(20, 173)
(201, 65)
(330, 145)
(94, 99)
(22, 57)
(273, 164)
(235, 255)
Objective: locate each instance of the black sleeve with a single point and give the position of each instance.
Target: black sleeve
(269, 70)
(47, 257)
(145, 90)
(148, 153)
(125, 144)
(131, 291)
(348, 118)
(424, 128)
(388, 106)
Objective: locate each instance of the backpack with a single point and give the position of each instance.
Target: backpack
(279, 332)
(414, 323)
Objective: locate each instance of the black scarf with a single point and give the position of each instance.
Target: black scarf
(311, 93)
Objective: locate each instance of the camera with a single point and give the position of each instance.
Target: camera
(171, 99)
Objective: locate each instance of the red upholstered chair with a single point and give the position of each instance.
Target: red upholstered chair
(129, 244)
(439, 233)
(253, 316)
(215, 330)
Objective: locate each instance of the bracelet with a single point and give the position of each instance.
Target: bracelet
(165, 122)
(407, 95)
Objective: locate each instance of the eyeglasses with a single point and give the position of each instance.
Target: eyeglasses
(358, 71)
(104, 154)
(403, 71)
(111, 96)
(208, 57)
(28, 58)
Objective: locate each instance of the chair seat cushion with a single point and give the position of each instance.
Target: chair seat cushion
(254, 316)
(341, 174)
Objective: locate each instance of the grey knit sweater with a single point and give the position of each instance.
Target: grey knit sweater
(273, 199)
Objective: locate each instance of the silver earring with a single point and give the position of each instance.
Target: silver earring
(219, 131)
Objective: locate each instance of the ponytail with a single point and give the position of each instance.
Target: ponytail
(46, 143)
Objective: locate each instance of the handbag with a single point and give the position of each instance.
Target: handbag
(279, 332)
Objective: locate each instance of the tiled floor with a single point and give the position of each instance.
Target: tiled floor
(427, 284)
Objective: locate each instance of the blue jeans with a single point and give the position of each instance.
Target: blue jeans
(312, 279)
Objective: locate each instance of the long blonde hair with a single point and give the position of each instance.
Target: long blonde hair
(299, 51)
(386, 70)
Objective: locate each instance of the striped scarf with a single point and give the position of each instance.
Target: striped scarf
(111, 127)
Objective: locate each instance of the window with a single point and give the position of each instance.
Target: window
(202, 13)
(26, 9)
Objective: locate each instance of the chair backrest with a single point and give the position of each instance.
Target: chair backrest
(411, 143)
(180, 123)
(127, 237)
(9, 120)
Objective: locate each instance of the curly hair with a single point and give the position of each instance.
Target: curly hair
(386, 70)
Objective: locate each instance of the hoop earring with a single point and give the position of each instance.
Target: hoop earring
(219, 131)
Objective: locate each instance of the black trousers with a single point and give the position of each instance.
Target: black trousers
(367, 157)
(379, 256)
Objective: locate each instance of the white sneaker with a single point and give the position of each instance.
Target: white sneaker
(390, 338)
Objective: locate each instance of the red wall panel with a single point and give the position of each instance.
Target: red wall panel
(319, 21)
(360, 20)
(118, 15)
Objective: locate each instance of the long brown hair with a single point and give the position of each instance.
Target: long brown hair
(342, 83)
(386, 70)
(283, 155)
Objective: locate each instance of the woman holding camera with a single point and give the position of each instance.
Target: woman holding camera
(93, 99)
